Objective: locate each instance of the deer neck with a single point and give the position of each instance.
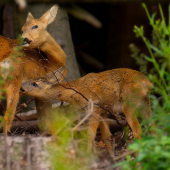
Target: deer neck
(53, 51)
(66, 92)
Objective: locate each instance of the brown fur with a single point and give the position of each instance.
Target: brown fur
(31, 64)
(118, 90)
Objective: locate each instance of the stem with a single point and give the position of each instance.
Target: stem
(150, 20)
(154, 61)
(146, 10)
(169, 23)
(162, 15)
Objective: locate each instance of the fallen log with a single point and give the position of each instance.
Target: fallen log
(24, 117)
(20, 127)
(32, 126)
(32, 114)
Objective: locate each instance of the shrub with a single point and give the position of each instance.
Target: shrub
(153, 150)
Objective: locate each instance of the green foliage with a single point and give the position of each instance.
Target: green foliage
(17, 50)
(151, 153)
(68, 151)
(159, 51)
(153, 150)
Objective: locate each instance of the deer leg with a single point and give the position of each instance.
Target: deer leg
(132, 120)
(136, 101)
(106, 135)
(147, 107)
(12, 101)
(92, 129)
(44, 109)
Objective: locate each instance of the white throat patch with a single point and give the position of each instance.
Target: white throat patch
(5, 68)
(25, 45)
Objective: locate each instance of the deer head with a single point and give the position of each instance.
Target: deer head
(34, 30)
(39, 87)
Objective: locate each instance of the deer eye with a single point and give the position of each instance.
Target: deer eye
(34, 84)
(34, 27)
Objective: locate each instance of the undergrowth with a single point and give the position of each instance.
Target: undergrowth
(68, 150)
(153, 150)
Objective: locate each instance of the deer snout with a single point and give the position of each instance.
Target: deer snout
(22, 90)
(26, 42)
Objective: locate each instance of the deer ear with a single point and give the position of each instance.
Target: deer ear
(50, 15)
(55, 76)
(29, 17)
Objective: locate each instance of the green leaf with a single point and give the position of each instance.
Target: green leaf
(156, 50)
(157, 149)
(148, 59)
(144, 5)
(138, 31)
(141, 156)
(10, 77)
(2, 81)
(134, 146)
(2, 98)
(153, 18)
(162, 69)
(3, 90)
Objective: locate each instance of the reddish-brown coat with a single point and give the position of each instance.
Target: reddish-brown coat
(114, 91)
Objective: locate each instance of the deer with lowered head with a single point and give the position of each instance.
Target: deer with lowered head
(30, 64)
(119, 90)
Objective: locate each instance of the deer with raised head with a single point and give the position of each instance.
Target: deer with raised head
(118, 90)
(31, 64)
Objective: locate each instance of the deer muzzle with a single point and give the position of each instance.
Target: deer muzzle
(26, 42)
(22, 90)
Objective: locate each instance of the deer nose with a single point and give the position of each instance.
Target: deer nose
(22, 90)
(26, 41)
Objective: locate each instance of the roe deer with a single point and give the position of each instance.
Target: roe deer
(118, 90)
(31, 64)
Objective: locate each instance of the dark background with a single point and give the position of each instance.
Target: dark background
(105, 48)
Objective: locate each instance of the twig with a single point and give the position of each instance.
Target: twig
(113, 154)
(83, 120)
(123, 155)
(25, 104)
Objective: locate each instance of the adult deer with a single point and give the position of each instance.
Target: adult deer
(31, 64)
(118, 90)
